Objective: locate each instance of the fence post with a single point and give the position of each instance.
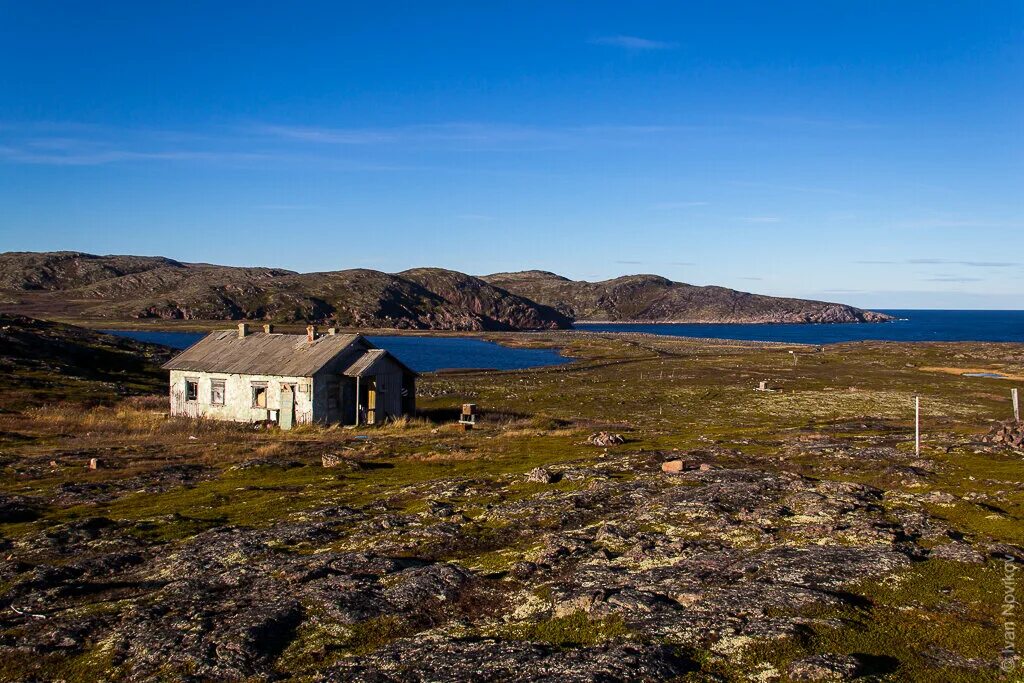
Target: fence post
(917, 426)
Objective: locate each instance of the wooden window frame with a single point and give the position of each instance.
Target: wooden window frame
(192, 396)
(253, 386)
(214, 383)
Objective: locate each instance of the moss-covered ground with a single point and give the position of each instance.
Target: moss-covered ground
(662, 394)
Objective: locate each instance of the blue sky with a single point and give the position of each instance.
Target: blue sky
(867, 152)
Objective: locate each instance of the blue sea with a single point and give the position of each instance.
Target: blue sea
(428, 354)
(423, 354)
(910, 326)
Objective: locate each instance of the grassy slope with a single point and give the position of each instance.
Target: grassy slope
(43, 360)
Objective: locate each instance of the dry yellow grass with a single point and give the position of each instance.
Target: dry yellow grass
(451, 456)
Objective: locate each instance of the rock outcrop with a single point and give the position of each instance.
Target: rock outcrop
(651, 298)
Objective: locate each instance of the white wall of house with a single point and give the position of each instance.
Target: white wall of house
(238, 405)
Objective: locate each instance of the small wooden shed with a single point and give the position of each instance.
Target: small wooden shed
(290, 379)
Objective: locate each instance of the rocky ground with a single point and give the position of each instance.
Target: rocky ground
(730, 535)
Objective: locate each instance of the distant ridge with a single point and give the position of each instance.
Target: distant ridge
(85, 286)
(76, 285)
(652, 298)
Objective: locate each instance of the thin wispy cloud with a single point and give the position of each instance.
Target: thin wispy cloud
(953, 278)
(333, 136)
(82, 156)
(810, 189)
(86, 145)
(480, 136)
(668, 206)
(938, 223)
(655, 263)
(761, 219)
(944, 262)
(805, 123)
(633, 43)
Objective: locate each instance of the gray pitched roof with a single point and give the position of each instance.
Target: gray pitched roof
(289, 355)
(366, 362)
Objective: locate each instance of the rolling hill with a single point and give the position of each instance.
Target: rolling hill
(651, 298)
(80, 286)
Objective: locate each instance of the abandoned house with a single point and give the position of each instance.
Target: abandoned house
(290, 379)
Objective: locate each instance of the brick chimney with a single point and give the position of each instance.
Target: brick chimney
(310, 333)
(243, 330)
(269, 329)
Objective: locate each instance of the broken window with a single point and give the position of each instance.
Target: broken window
(217, 392)
(259, 395)
(191, 390)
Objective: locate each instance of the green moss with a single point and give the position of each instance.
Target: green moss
(320, 643)
(93, 666)
(367, 636)
(574, 630)
(937, 606)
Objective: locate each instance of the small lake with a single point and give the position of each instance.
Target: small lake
(423, 354)
(910, 326)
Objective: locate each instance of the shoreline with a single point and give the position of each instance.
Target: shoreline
(719, 322)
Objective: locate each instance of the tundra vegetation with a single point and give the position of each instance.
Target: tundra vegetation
(799, 538)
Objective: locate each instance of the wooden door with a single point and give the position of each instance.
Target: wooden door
(371, 401)
(286, 417)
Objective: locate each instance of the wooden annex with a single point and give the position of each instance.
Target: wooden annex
(289, 379)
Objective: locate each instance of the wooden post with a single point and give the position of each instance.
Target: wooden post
(917, 425)
(1016, 404)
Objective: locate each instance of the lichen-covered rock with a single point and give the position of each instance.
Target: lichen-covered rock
(1009, 434)
(605, 439)
(540, 475)
(716, 558)
(333, 460)
(495, 661)
(827, 667)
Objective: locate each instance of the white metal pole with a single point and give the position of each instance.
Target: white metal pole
(917, 425)
(357, 400)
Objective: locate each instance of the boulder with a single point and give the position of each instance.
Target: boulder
(540, 475)
(672, 466)
(605, 439)
(1009, 433)
(337, 461)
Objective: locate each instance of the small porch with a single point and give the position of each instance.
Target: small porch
(380, 387)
